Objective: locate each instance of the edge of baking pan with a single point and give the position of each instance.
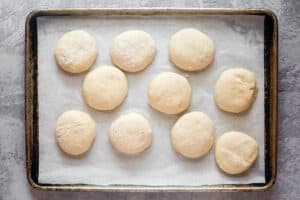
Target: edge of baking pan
(31, 94)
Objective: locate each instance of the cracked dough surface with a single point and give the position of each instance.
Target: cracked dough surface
(75, 132)
(76, 51)
(169, 93)
(133, 50)
(191, 50)
(193, 135)
(235, 90)
(235, 152)
(105, 88)
(130, 134)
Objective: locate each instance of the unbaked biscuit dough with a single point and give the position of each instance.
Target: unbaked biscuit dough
(133, 50)
(169, 93)
(235, 152)
(193, 135)
(130, 134)
(76, 51)
(191, 50)
(235, 90)
(105, 88)
(75, 132)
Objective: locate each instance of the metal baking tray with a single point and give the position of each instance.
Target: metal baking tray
(270, 97)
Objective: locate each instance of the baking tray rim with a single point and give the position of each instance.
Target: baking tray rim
(31, 104)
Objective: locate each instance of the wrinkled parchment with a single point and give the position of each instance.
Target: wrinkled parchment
(238, 42)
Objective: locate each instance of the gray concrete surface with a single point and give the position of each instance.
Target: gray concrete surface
(13, 183)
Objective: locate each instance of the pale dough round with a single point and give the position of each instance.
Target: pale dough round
(75, 132)
(191, 50)
(130, 134)
(235, 90)
(133, 50)
(235, 152)
(169, 93)
(76, 51)
(105, 88)
(193, 135)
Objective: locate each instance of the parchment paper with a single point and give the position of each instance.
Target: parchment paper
(238, 42)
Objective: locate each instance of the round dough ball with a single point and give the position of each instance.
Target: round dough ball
(235, 90)
(105, 88)
(193, 135)
(130, 134)
(133, 50)
(75, 132)
(169, 93)
(235, 152)
(191, 50)
(76, 51)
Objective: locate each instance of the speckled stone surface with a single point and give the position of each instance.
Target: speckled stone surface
(13, 183)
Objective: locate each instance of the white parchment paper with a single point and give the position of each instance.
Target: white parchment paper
(238, 42)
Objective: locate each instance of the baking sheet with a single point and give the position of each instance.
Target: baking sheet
(238, 42)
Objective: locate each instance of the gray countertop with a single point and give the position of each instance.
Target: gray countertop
(13, 182)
